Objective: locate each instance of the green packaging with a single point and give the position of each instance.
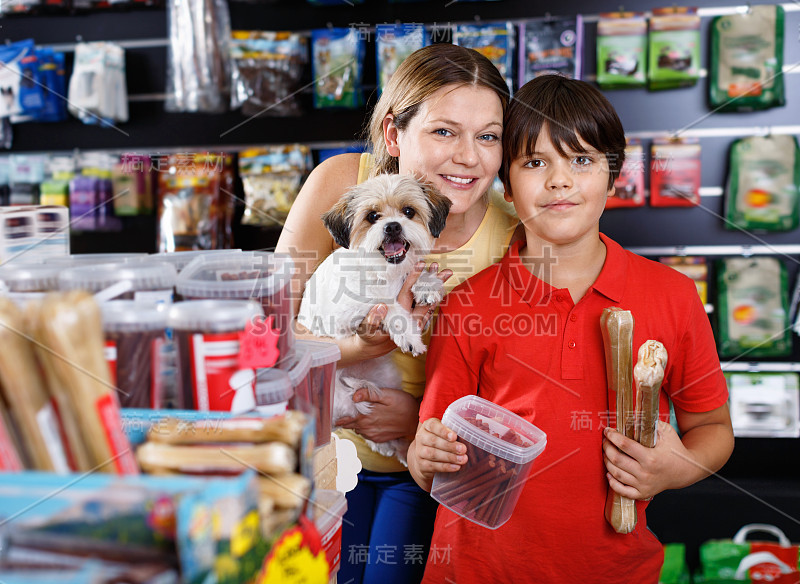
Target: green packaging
(673, 48)
(621, 50)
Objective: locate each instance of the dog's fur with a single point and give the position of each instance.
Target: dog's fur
(384, 226)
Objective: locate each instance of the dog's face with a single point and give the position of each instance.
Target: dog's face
(395, 215)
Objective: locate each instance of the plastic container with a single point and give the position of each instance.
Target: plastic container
(181, 259)
(329, 509)
(134, 337)
(81, 259)
(206, 336)
(261, 276)
(23, 282)
(501, 448)
(273, 391)
(299, 367)
(321, 382)
(147, 281)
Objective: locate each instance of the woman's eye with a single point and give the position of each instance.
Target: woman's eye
(409, 212)
(373, 216)
(443, 132)
(489, 138)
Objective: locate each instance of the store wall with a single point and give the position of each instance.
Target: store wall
(762, 481)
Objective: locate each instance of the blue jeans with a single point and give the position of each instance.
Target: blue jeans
(386, 531)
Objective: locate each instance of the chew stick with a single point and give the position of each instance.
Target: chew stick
(648, 374)
(616, 325)
(271, 458)
(286, 428)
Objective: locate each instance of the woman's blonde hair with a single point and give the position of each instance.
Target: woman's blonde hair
(423, 73)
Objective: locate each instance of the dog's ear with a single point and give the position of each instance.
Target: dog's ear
(339, 221)
(439, 206)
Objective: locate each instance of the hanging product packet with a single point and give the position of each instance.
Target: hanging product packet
(550, 45)
(196, 202)
(393, 43)
(763, 190)
(97, 90)
(52, 70)
(764, 404)
(746, 70)
(674, 48)
(675, 172)
(337, 67)
(266, 71)
(753, 301)
(20, 89)
(694, 267)
(493, 41)
(271, 178)
(629, 186)
(621, 50)
(133, 182)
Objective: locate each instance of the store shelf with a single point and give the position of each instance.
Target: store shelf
(760, 367)
(717, 250)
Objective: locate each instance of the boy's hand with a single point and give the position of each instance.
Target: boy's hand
(434, 450)
(638, 472)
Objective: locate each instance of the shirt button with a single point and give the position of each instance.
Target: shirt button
(571, 344)
(573, 317)
(559, 297)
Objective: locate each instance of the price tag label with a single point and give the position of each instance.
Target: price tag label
(258, 344)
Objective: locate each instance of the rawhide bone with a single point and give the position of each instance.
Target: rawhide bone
(616, 326)
(648, 374)
(271, 458)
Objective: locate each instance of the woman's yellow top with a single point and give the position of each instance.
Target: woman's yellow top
(486, 246)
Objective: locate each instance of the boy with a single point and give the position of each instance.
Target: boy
(541, 356)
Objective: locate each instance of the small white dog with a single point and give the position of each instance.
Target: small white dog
(384, 226)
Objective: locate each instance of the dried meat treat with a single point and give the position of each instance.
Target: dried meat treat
(648, 374)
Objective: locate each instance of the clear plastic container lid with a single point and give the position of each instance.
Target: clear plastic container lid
(212, 316)
(142, 275)
(81, 259)
(30, 277)
(273, 386)
(500, 421)
(300, 366)
(130, 316)
(181, 259)
(329, 509)
(322, 353)
(235, 274)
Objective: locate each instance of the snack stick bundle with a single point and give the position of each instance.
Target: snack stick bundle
(271, 458)
(616, 326)
(648, 374)
(25, 394)
(287, 428)
(70, 330)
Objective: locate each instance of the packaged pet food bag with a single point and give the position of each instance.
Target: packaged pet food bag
(550, 45)
(674, 48)
(621, 50)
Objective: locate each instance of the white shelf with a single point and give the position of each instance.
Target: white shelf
(717, 250)
(760, 366)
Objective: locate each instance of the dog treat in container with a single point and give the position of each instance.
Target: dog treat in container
(83, 259)
(148, 282)
(181, 259)
(261, 276)
(134, 336)
(273, 391)
(501, 448)
(321, 379)
(299, 367)
(22, 282)
(206, 336)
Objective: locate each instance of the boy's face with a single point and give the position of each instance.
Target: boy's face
(559, 199)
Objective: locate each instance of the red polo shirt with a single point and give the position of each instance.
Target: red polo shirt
(520, 343)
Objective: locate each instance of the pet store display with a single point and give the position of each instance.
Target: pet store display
(746, 63)
(764, 405)
(550, 45)
(337, 67)
(673, 48)
(621, 50)
(198, 56)
(266, 72)
(753, 305)
(763, 187)
(675, 172)
(495, 41)
(393, 43)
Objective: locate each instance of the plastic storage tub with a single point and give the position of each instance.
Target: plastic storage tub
(206, 337)
(299, 367)
(145, 281)
(260, 276)
(273, 391)
(28, 281)
(181, 259)
(134, 336)
(83, 259)
(321, 380)
(329, 509)
(501, 448)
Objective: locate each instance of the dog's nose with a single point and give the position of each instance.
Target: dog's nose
(392, 229)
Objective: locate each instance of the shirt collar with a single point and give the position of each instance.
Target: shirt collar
(610, 282)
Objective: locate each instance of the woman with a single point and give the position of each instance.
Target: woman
(440, 117)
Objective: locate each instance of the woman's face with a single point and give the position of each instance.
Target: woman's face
(454, 141)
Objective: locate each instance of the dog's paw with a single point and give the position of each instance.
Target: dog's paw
(410, 343)
(428, 289)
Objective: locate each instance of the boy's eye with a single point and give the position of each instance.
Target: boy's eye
(535, 163)
(373, 216)
(583, 160)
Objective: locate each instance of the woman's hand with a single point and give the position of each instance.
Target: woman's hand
(433, 450)
(394, 415)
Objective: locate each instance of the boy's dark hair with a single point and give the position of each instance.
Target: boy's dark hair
(569, 108)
